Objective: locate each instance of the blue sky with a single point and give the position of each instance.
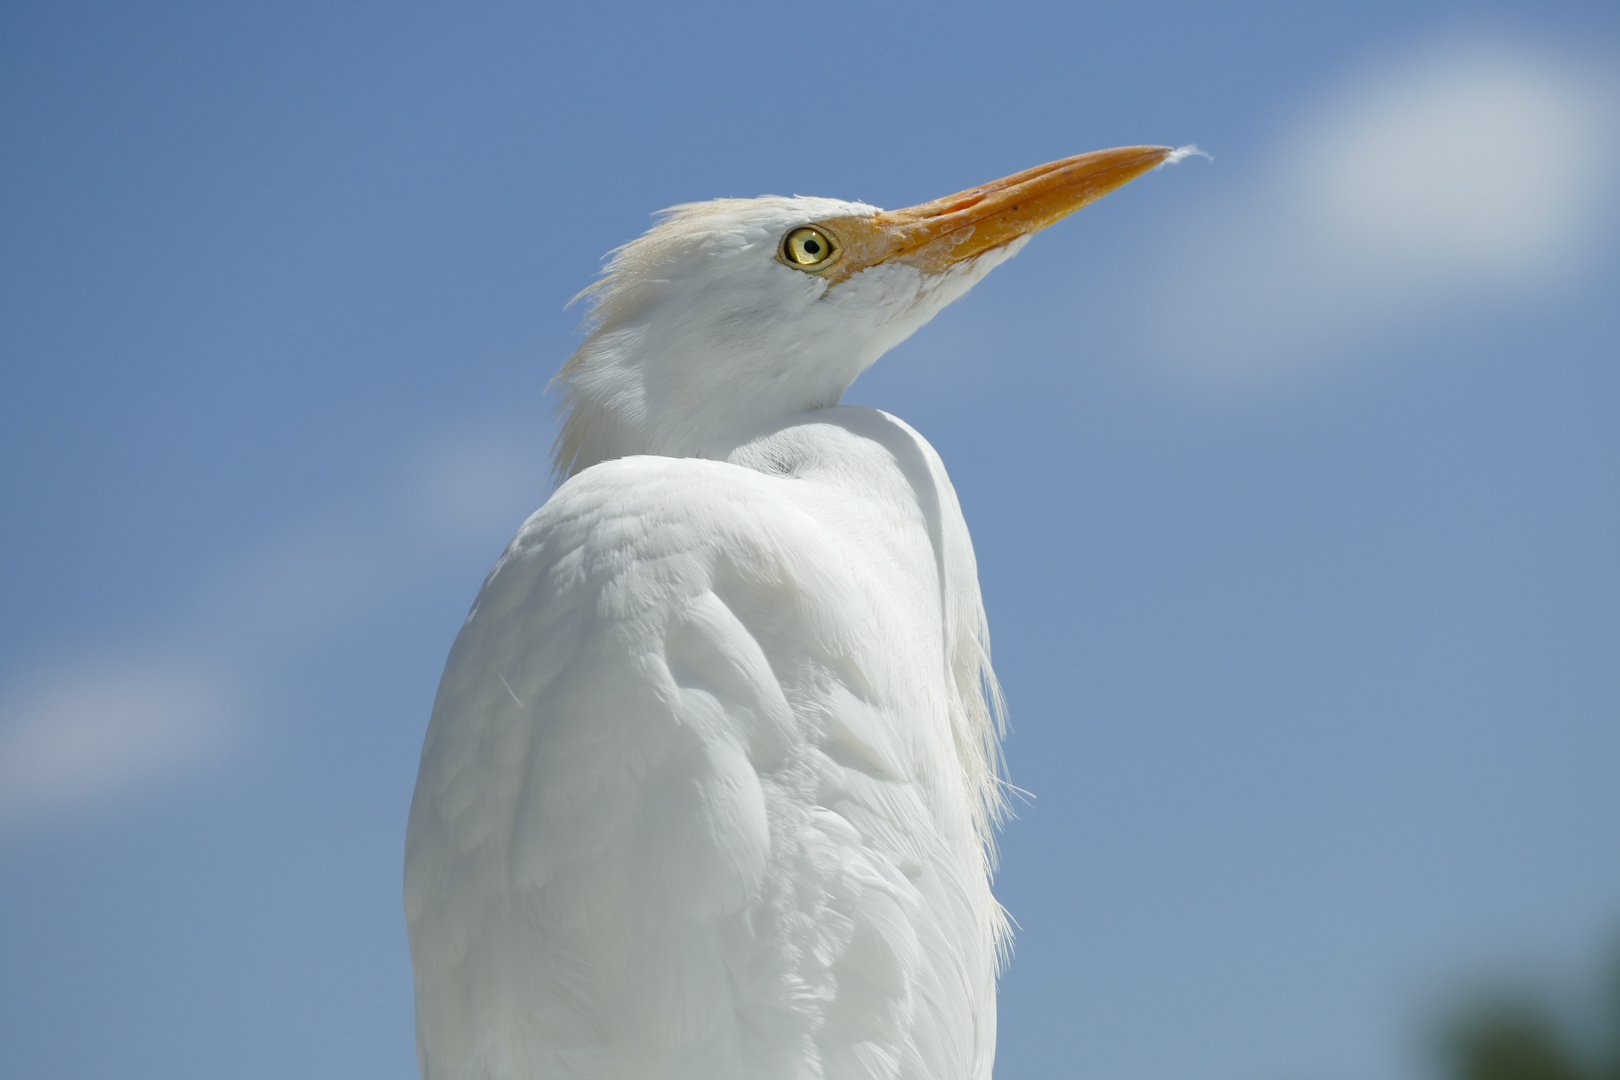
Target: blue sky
(1292, 476)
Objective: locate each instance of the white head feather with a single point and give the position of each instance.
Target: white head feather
(699, 337)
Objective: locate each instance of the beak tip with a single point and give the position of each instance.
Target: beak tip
(1179, 154)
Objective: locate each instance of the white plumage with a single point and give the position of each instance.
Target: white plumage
(711, 778)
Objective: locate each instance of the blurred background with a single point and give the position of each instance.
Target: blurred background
(1294, 476)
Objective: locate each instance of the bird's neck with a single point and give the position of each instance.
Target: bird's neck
(633, 391)
(697, 367)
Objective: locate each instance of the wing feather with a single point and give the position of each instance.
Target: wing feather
(675, 816)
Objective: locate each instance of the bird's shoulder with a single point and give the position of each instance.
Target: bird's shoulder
(845, 491)
(648, 582)
(810, 590)
(650, 506)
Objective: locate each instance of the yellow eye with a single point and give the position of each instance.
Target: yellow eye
(808, 248)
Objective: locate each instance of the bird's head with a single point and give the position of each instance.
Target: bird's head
(729, 316)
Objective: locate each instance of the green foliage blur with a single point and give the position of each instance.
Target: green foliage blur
(1518, 1039)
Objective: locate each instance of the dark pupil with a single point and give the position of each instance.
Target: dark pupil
(812, 248)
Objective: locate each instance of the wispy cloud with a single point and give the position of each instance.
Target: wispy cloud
(88, 734)
(83, 736)
(1475, 172)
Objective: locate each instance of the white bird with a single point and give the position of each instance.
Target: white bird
(711, 781)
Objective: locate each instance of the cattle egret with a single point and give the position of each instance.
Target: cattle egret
(712, 776)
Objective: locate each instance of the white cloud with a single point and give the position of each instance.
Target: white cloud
(1478, 172)
(86, 736)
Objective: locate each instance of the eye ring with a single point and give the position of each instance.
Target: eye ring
(809, 248)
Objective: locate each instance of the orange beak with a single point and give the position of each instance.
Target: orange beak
(935, 235)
